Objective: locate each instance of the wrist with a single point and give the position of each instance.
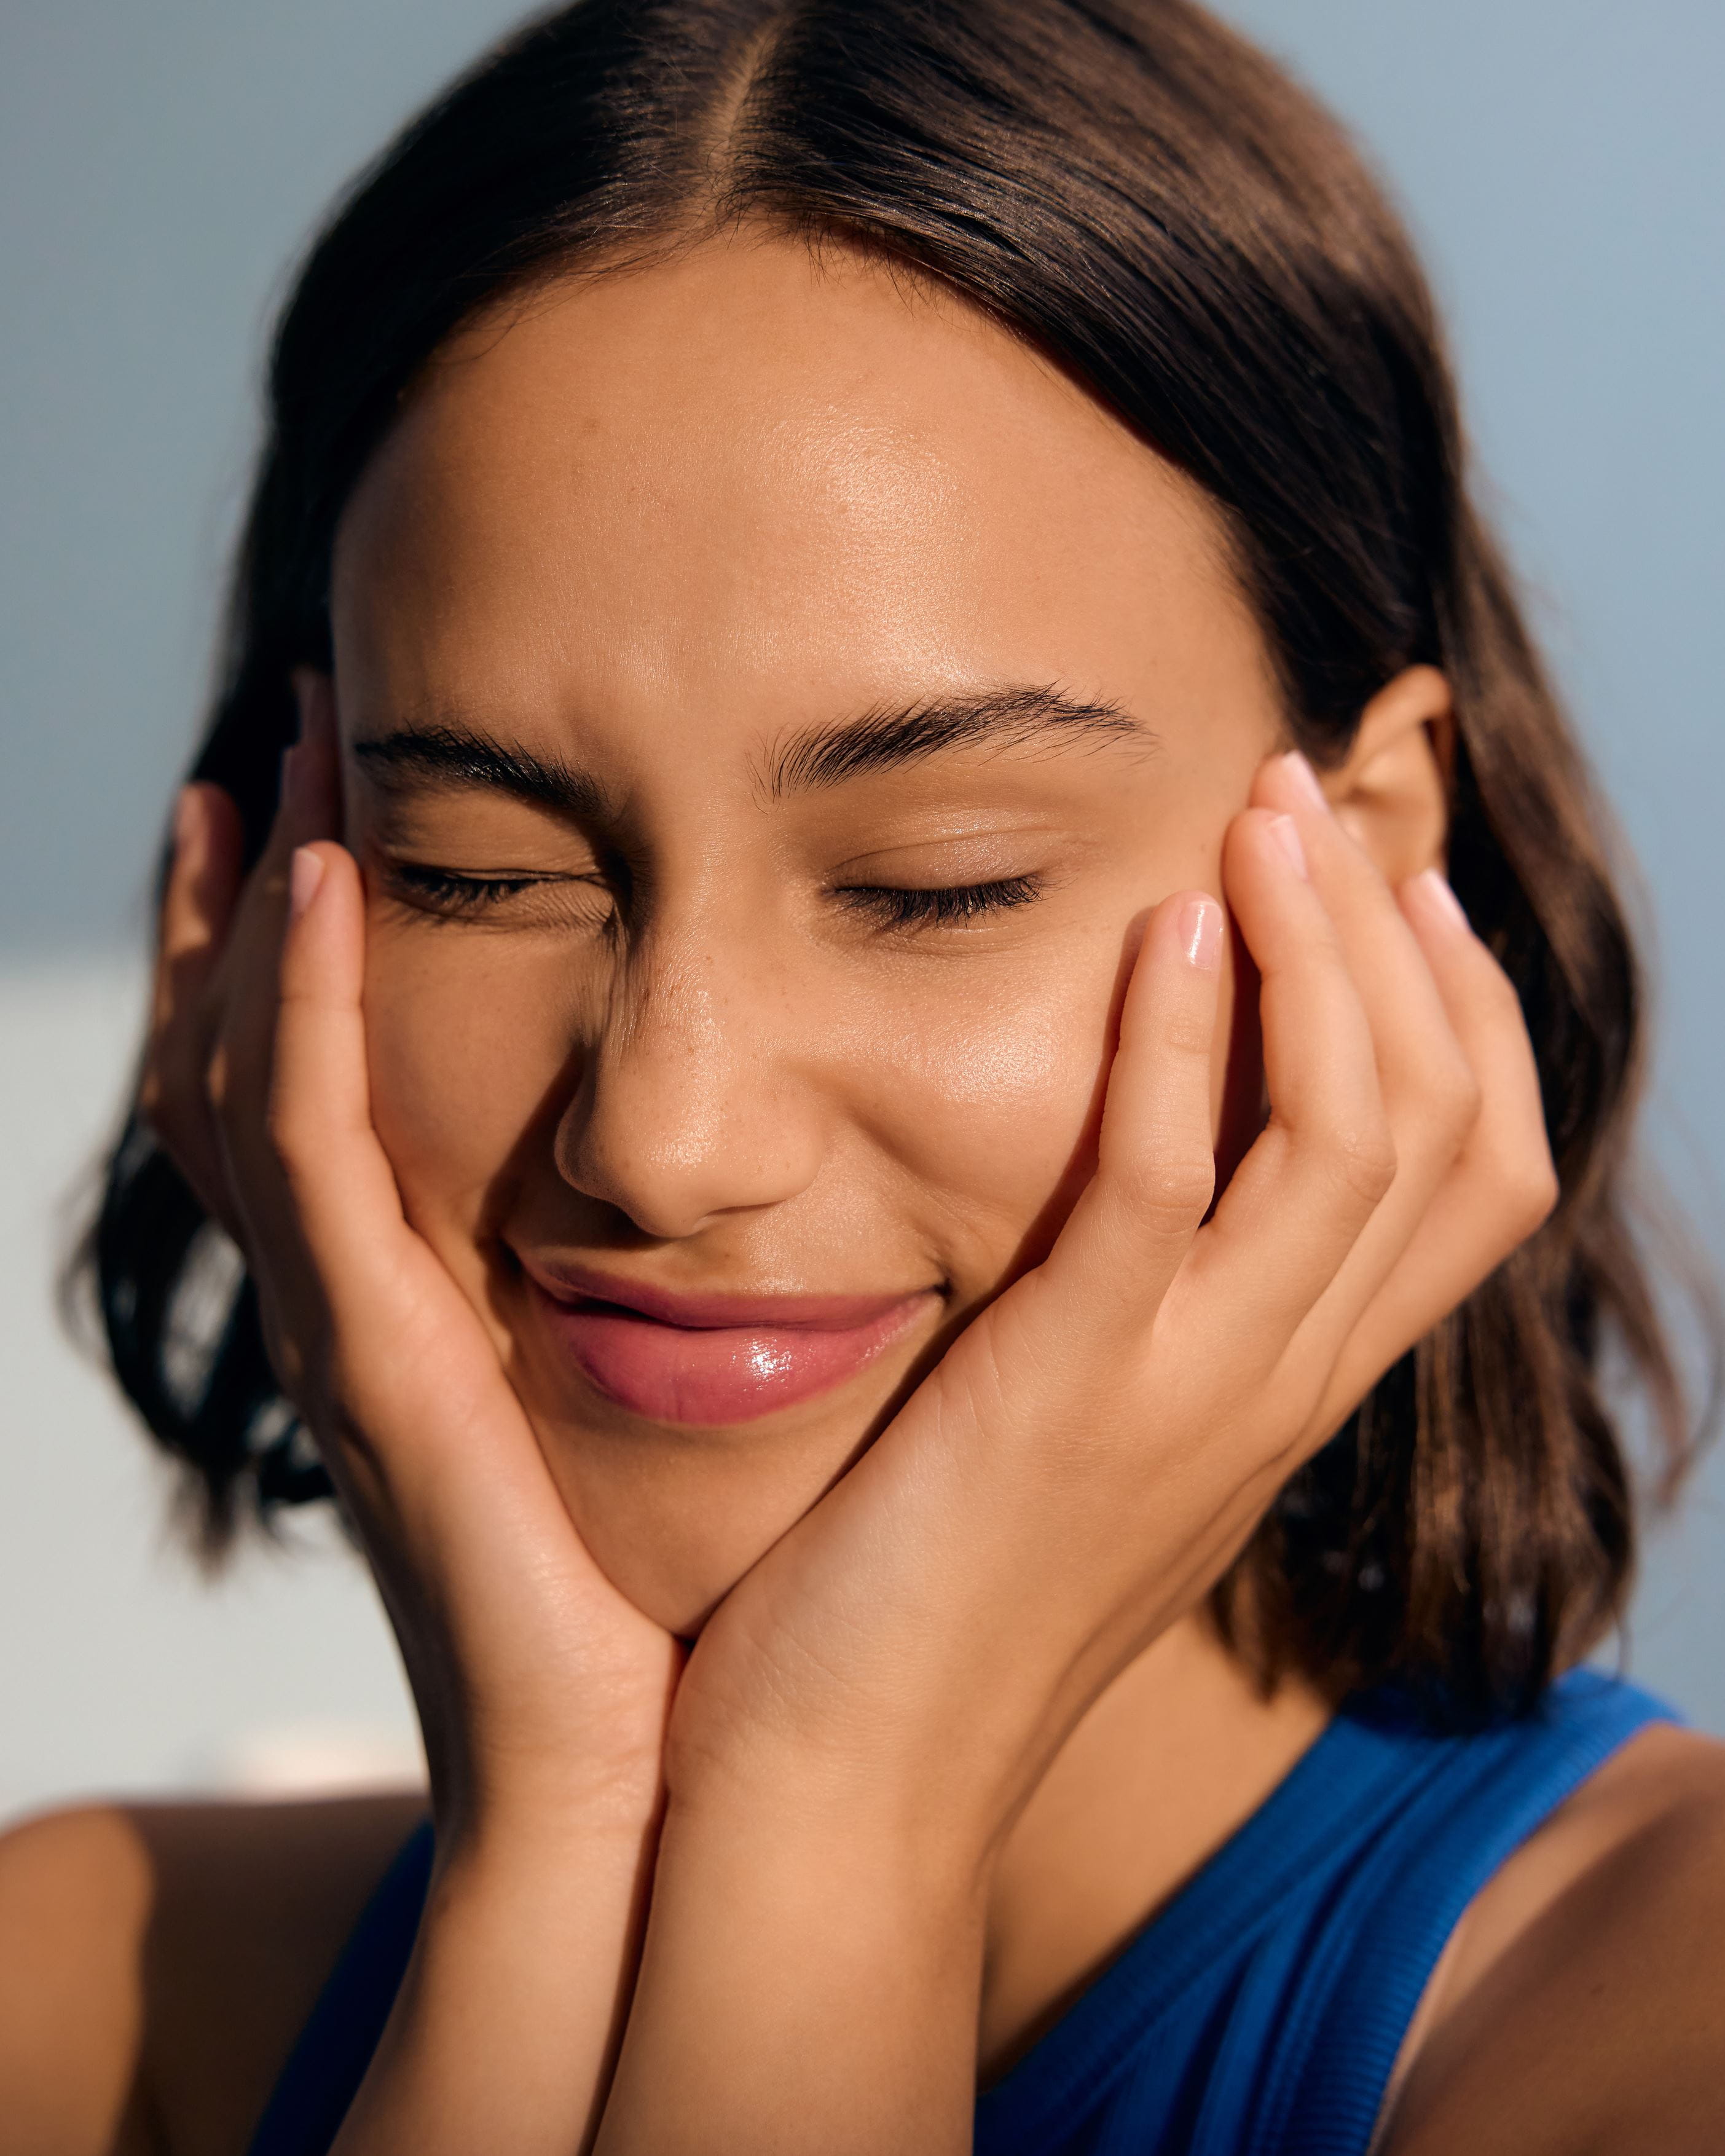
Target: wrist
(544, 1813)
(950, 1802)
(925, 1775)
(883, 1836)
(833, 1964)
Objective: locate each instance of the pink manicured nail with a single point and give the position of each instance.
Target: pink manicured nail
(303, 877)
(1282, 831)
(1306, 778)
(1201, 933)
(1436, 888)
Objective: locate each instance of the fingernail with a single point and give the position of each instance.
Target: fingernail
(1201, 934)
(1436, 888)
(1282, 831)
(303, 877)
(1306, 778)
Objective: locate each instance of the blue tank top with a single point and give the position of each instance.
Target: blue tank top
(1260, 2010)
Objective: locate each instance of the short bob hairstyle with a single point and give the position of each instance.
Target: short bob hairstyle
(1140, 194)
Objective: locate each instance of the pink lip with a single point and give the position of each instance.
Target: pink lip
(712, 1359)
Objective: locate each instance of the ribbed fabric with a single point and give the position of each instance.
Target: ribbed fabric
(1260, 2013)
(1263, 2009)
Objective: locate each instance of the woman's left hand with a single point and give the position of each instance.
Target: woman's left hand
(884, 1690)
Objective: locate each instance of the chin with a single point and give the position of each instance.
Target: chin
(675, 1523)
(676, 1512)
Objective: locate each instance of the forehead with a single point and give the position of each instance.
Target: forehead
(759, 479)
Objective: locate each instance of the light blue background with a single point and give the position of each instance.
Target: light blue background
(1562, 161)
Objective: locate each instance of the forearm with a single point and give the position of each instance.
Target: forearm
(506, 2026)
(806, 1982)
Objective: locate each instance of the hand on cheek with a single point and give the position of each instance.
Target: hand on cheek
(527, 1666)
(1094, 1449)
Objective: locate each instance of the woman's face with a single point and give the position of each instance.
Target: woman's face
(773, 696)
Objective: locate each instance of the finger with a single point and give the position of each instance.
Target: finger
(1431, 1092)
(1502, 1186)
(197, 910)
(1507, 1146)
(1156, 1162)
(390, 1309)
(1428, 1090)
(307, 809)
(1305, 1192)
(319, 1117)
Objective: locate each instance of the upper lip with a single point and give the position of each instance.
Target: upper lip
(711, 1310)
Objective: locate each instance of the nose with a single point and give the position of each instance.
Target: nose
(694, 1102)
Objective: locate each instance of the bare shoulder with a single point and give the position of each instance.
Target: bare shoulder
(1581, 2006)
(156, 1961)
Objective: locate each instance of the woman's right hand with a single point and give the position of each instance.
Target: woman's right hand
(540, 1688)
(542, 1693)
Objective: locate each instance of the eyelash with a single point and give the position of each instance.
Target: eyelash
(892, 906)
(460, 894)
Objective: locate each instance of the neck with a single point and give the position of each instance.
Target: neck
(1174, 1757)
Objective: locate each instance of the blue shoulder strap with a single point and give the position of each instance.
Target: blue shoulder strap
(1399, 1906)
(1262, 2011)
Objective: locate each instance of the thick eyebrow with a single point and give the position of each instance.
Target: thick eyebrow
(450, 756)
(886, 739)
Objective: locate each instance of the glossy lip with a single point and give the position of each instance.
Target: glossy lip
(708, 1359)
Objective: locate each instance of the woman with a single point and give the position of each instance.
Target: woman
(961, 1313)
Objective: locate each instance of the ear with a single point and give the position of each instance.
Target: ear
(1392, 795)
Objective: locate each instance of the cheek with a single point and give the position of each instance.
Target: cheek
(466, 1050)
(988, 1100)
(992, 1099)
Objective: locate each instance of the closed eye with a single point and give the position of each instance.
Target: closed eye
(455, 895)
(947, 906)
(448, 888)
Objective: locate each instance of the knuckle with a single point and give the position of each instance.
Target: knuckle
(1187, 1036)
(1534, 1192)
(1171, 1188)
(1362, 1159)
(1518, 1181)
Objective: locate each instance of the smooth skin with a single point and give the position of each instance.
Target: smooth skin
(789, 1776)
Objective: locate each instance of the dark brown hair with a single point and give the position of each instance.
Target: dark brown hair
(1143, 195)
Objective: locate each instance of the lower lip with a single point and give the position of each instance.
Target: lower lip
(710, 1375)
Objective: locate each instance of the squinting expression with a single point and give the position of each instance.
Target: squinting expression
(772, 695)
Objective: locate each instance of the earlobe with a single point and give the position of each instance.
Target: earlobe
(1392, 793)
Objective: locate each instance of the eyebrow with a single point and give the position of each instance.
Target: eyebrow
(451, 755)
(889, 738)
